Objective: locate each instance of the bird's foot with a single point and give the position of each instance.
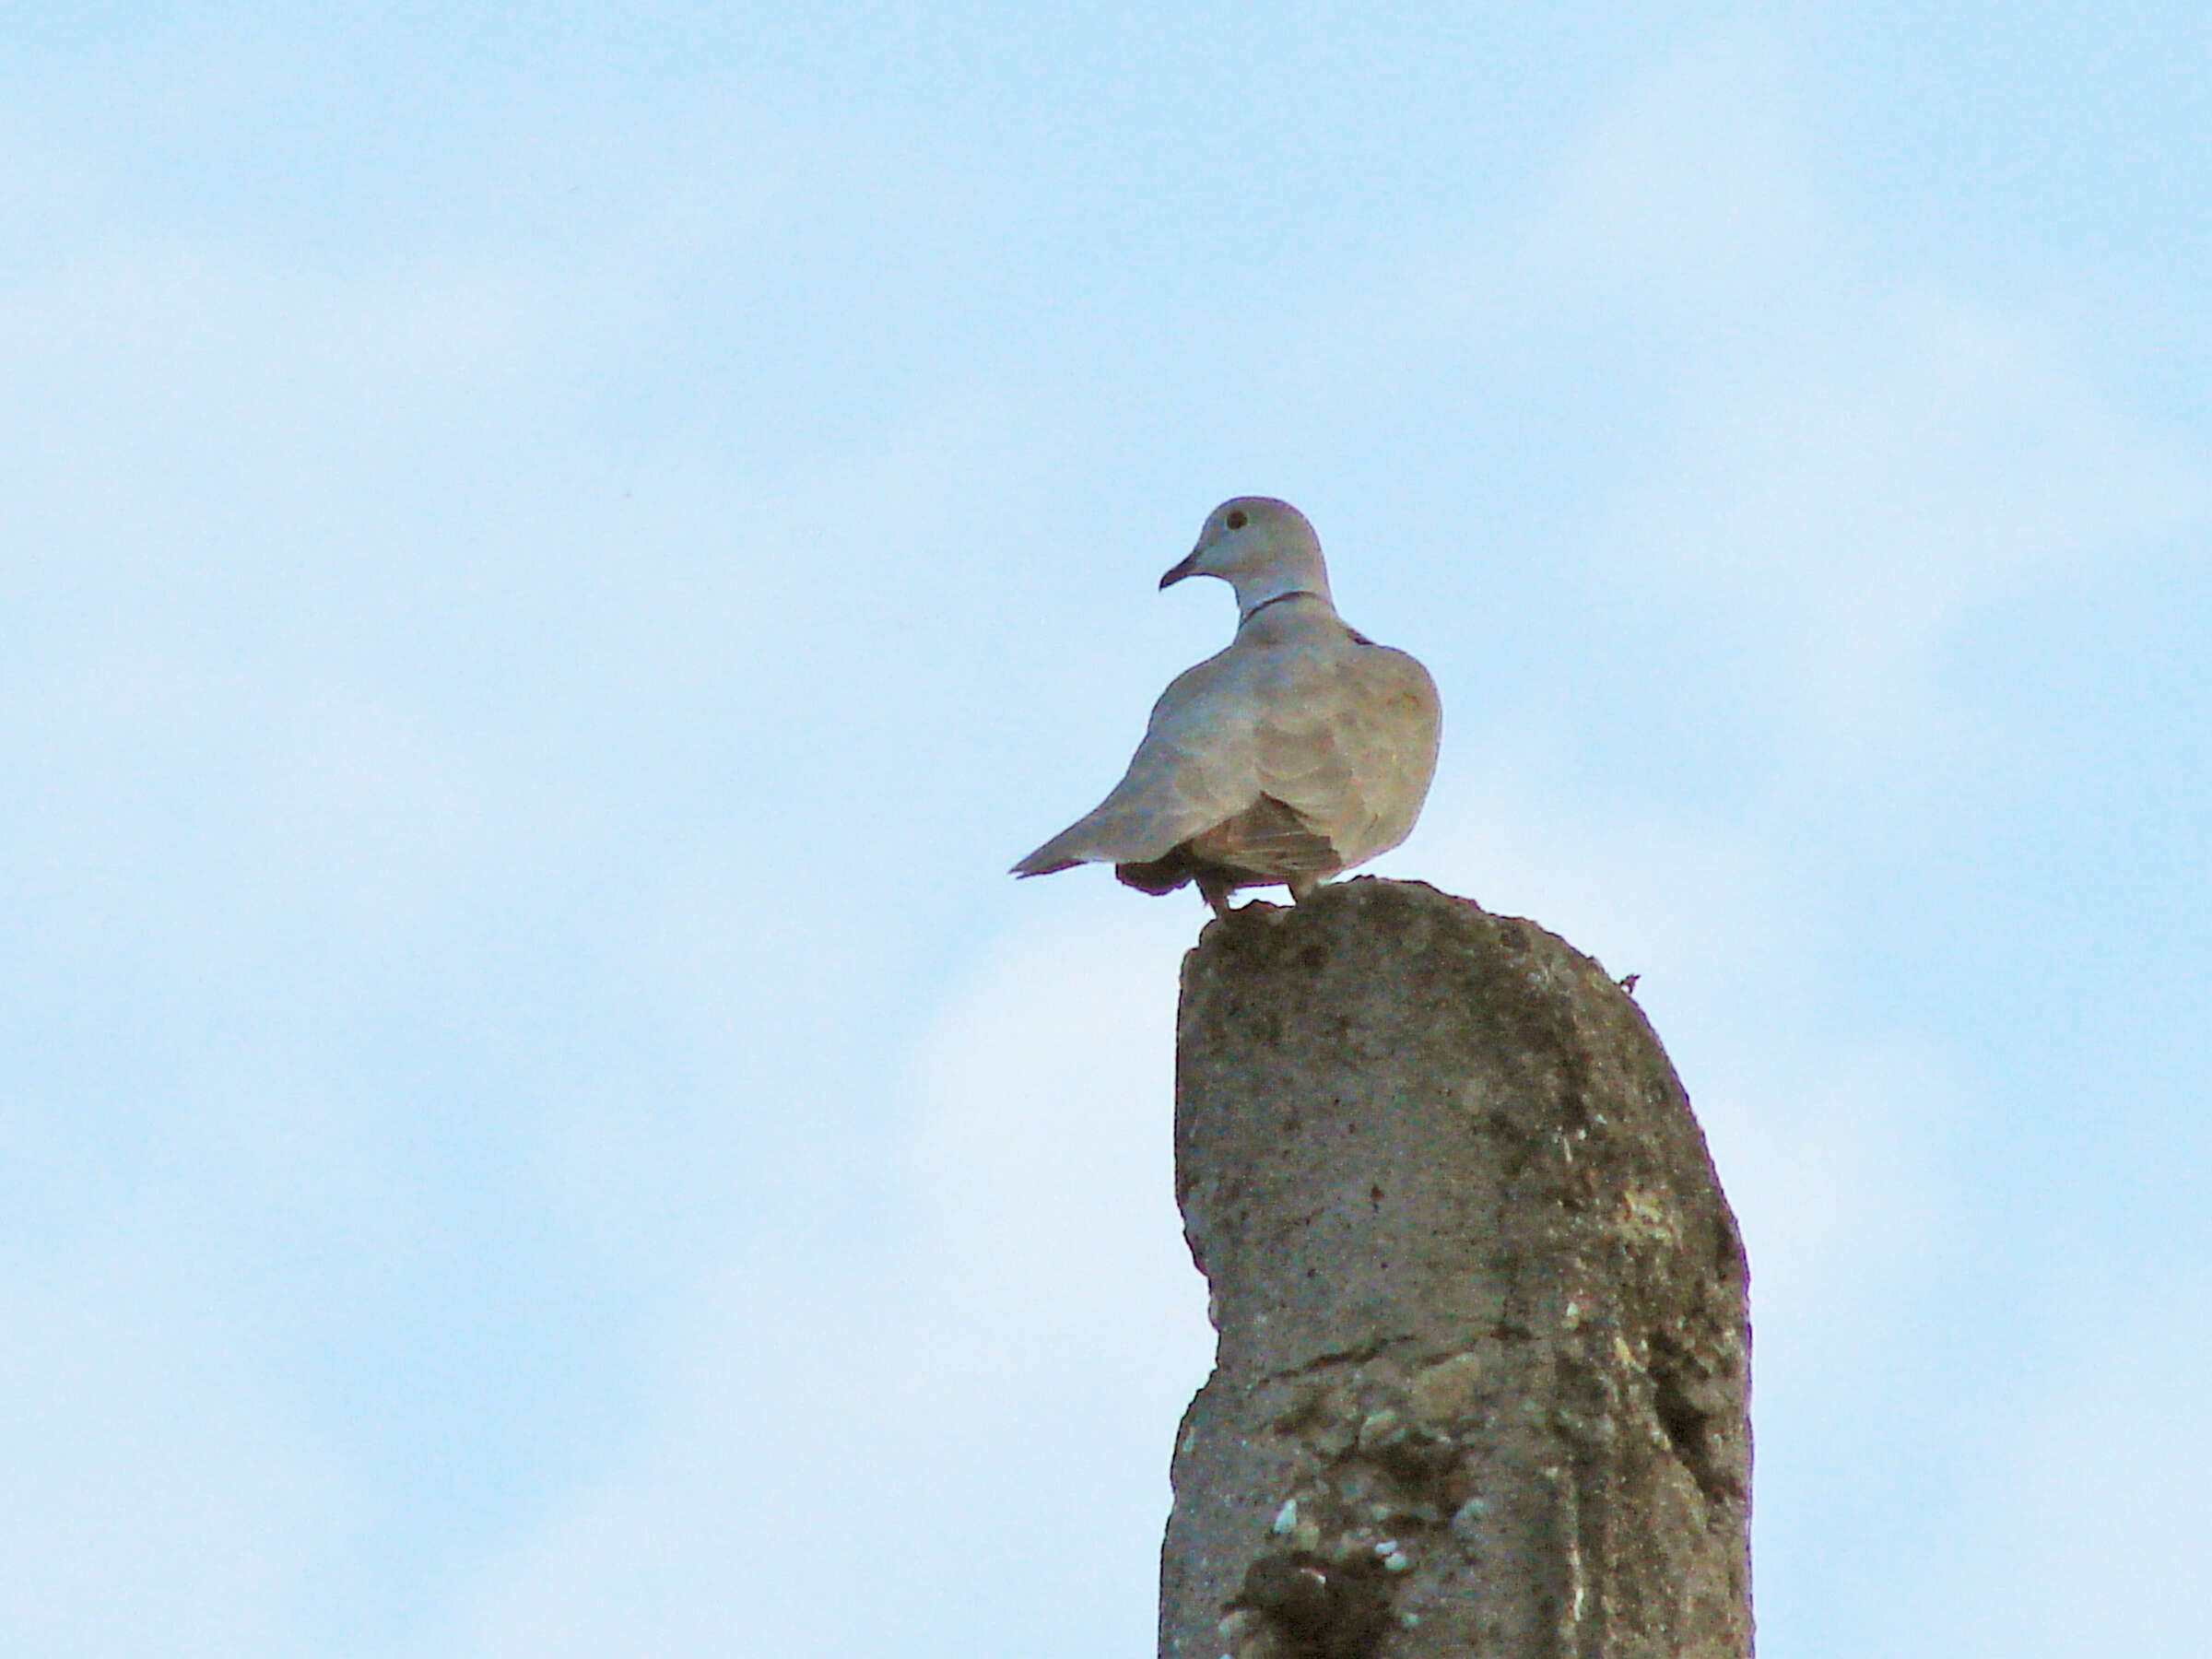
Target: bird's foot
(1216, 892)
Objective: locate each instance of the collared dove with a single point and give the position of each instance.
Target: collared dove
(1302, 750)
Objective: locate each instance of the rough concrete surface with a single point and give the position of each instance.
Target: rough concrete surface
(1483, 1373)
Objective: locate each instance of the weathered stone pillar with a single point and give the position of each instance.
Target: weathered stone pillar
(1483, 1375)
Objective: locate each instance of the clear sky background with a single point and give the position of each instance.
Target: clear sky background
(550, 559)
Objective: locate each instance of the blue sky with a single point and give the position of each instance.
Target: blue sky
(552, 560)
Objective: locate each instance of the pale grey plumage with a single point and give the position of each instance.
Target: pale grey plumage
(1302, 750)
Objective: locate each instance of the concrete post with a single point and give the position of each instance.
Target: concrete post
(1483, 1373)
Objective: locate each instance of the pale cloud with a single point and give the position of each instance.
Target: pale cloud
(1861, 498)
(2087, 1490)
(1862, 458)
(1687, 199)
(164, 1496)
(990, 1400)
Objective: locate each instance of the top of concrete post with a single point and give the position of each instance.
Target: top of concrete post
(1480, 1299)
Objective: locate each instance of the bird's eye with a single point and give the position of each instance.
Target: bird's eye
(1238, 520)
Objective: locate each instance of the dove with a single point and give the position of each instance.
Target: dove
(1302, 750)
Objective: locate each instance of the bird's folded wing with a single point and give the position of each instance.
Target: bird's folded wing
(1267, 838)
(1348, 740)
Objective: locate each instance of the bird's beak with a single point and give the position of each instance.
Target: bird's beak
(1188, 567)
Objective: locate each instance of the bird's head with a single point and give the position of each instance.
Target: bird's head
(1261, 547)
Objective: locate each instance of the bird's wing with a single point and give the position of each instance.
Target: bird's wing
(1196, 766)
(1347, 738)
(1267, 838)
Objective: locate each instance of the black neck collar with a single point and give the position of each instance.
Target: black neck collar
(1262, 604)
